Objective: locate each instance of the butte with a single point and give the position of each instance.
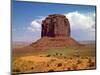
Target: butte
(55, 33)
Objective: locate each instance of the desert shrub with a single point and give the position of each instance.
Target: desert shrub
(89, 60)
(53, 60)
(74, 67)
(31, 62)
(92, 64)
(32, 67)
(56, 54)
(79, 62)
(48, 55)
(60, 54)
(76, 55)
(70, 58)
(64, 57)
(16, 70)
(68, 68)
(59, 65)
(51, 70)
(47, 65)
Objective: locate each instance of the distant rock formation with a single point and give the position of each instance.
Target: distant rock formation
(55, 25)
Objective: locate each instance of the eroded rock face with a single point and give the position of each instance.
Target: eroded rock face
(55, 25)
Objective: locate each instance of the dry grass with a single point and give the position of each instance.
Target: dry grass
(50, 64)
(54, 59)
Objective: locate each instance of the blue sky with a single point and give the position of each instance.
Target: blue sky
(27, 17)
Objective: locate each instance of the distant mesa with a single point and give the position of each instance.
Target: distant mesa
(55, 33)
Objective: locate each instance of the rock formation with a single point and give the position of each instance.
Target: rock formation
(55, 25)
(55, 33)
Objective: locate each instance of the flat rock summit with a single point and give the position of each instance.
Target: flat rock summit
(55, 33)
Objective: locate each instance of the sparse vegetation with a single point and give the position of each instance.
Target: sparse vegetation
(59, 65)
(89, 60)
(47, 65)
(60, 54)
(48, 55)
(64, 57)
(69, 68)
(32, 67)
(74, 67)
(54, 60)
(79, 61)
(92, 64)
(56, 54)
(51, 70)
(16, 70)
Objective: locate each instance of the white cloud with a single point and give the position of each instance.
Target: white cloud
(35, 25)
(81, 21)
(84, 23)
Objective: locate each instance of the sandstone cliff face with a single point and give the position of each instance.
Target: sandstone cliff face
(55, 25)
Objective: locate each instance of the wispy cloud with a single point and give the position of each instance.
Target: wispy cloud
(35, 25)
(81, 20)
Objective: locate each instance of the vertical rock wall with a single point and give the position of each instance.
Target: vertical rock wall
(55, 25)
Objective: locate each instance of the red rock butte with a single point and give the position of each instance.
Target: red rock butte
(55, 25)
(55, 32)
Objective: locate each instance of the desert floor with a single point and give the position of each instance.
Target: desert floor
(54, 59)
